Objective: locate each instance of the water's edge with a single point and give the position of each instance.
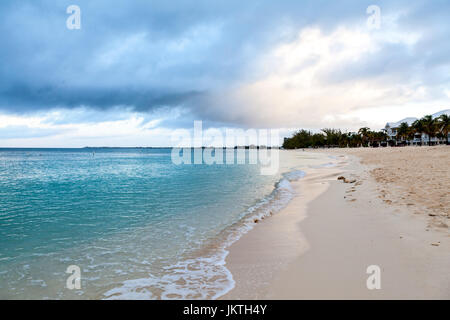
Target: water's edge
(209, 268)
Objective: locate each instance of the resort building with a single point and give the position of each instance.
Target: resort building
(392, 127)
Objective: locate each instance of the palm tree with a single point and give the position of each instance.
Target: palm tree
(364, 132)
(355, 140)
(371, 135)
(444, 126)
(410, 134)
(402, 131)
(429, 127)
(380, 136)
(418, 128)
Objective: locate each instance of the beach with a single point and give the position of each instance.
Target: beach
(137, 225)
(299, 234)
(391, 211)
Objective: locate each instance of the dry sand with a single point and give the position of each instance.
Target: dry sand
(417, 177)
(321, 244)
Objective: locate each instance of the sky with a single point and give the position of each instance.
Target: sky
(137, 71)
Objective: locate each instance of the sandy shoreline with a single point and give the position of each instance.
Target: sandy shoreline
(321, 244)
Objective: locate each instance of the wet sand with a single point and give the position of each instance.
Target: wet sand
(320, 245)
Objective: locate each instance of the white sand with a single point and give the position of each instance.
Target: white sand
(320, 245)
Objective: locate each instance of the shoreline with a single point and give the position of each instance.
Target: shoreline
(285, 257)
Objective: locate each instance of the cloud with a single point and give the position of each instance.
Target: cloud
(320, 79)
(155, 51)
(232, 63)
(26, 97)
(20, 132)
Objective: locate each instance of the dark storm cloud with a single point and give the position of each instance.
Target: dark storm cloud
(147, 55)
(29, 97)
(167, 51)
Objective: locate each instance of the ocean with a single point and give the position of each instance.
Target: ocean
(136, 225)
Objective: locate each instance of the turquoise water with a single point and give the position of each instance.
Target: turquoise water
(137, 225)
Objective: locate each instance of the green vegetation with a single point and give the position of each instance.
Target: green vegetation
(334, 138)
(443, 127)
(438, 127)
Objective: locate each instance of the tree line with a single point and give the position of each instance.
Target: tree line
(437, 127)
(433, 128)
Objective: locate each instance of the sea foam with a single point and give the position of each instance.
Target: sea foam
(207, 277)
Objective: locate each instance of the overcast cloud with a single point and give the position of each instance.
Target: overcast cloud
(143, 68)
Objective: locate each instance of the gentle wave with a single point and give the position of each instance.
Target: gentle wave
(206, 276)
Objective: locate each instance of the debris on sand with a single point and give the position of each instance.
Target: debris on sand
(436, 244)
(346, 180)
